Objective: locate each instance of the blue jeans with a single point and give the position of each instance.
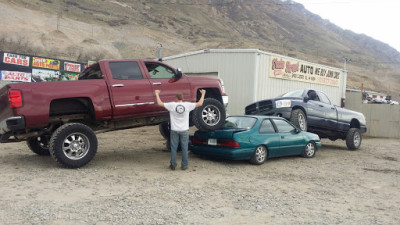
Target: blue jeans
(181, 137)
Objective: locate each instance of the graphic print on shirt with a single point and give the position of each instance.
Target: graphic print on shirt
(180, 109)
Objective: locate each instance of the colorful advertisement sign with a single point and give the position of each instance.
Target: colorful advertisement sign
(72, 67)
(16, 59)
(39, 75)
(69, 76)
(15, 76)
(46, 63)
(282, 68)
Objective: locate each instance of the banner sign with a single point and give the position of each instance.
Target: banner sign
(282, 68)
(72, 67)
(39, 75)
(15, 76)
(46, 63)
(16, 59)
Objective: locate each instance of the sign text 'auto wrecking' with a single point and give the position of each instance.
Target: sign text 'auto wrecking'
(46, 63)
(15, 59)
(300, 71)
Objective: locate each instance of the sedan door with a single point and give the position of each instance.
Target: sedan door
(291, 142)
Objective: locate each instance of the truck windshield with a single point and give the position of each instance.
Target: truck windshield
(91, 73)
(297, 93)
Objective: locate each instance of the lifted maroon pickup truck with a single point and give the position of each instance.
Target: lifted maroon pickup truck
(61, 119)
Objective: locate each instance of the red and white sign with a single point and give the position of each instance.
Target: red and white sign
(72, 67)
(15, 59)
(15, 76)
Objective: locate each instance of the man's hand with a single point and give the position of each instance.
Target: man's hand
(159, 102)
(200, 102)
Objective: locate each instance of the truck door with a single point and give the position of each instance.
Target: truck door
(316, 111)
(131, 91)
(330, 111)
(162, 77)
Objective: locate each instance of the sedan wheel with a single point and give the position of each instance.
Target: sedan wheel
(259, 156)
(309, 151)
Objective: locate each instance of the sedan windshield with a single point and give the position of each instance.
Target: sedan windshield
(297, 93)
(241, 122)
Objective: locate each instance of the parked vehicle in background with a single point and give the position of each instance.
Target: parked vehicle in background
(313, 111)
(62, 118)
(255, 138)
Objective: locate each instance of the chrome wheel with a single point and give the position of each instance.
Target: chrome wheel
(309, 151)
(357, 139)
(259, 156)
(76, 146)
(302, 121)
(211, 115)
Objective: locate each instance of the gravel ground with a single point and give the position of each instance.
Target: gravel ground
(128, 182)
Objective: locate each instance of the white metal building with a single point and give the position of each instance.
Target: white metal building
(251, 75)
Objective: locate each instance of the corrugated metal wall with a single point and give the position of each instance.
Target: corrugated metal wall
(245, 73)
(235, 69)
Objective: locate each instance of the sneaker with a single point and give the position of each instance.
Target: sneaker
(184, 167)
(172, 167)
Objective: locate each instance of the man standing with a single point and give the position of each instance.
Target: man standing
(179, 120)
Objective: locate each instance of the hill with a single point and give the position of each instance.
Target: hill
(90, 30)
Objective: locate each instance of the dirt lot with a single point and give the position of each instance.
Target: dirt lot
(128, 182)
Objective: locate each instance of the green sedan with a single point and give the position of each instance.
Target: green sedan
(255, 138)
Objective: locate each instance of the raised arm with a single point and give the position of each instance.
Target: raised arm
(159, 102)
(200, 102)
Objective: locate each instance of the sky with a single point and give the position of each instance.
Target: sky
(378, 19)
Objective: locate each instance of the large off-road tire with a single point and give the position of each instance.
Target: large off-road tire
(259, 156)
(165, 129)
(353, 139)
(299, 119)
(73, 145)
(309, 150)
(210, 116)
(39, 145)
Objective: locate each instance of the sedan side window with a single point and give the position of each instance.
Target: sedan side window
(158, 71)
(267, 127)
(283, 126)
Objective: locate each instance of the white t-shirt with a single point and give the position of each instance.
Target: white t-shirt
(179, 114)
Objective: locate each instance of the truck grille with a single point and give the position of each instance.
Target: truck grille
(259, 108)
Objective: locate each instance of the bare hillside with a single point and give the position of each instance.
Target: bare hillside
(91, 30)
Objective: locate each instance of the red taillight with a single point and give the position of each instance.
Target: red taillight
(199, 141)
(15, 98)
(220, 142)
(228, 143)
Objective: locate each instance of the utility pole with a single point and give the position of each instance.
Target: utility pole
(345, 61)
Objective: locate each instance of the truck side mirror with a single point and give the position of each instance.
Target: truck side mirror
(178, 73)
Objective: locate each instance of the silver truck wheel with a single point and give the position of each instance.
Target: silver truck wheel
(73, 145)
(210, 116)
(39, 145)
(353, 139)
(298, 118)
